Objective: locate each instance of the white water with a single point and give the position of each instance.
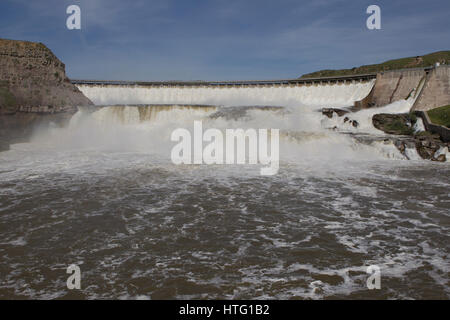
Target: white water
(419, 125)
(306, 135)
(335, 94)
(103, 193)
(364, 117)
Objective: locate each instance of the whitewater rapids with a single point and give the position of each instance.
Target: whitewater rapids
(103, 194)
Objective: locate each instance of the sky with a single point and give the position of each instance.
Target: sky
(225, 39)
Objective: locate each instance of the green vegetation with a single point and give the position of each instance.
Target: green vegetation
(399, 127)
(427, 134)
(440, 116)
(412, 118)
(393, 123)
(404, 63)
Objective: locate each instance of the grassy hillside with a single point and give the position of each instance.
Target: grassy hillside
(440, 116)
(412, 62)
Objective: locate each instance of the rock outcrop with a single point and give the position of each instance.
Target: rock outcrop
(426, 144)
(34, 90)
(329, 112)
(400, 133)
(399, 124)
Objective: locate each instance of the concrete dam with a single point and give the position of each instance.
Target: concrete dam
(428, 87)
(340, 91)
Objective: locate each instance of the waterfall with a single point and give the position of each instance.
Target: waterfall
(329, 94)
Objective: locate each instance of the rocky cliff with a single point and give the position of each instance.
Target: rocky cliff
(34, 90)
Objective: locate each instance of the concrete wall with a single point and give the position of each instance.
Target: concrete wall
(442, 131)
(409, 81)
(436, 91)
(395, 85)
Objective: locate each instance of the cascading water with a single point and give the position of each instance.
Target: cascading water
(295, 113)
(336, 94)
(104, 194)
(155, 113)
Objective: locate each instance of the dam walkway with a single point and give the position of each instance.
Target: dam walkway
(237, 83)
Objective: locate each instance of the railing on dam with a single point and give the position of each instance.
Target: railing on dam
(237, 83)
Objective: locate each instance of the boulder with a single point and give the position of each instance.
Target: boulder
(440, 158)
(329, 112)
(426, 148)
(401, 146)
(398, 124)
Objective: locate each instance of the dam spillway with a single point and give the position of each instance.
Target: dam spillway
(338, 91)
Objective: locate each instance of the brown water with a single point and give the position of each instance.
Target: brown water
(141, 227)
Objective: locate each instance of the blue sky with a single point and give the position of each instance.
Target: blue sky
(225, 39)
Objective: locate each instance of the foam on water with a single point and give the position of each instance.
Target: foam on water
(304, 131)
(364, 117)
(104, 194)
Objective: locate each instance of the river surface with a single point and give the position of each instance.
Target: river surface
(103, 194)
